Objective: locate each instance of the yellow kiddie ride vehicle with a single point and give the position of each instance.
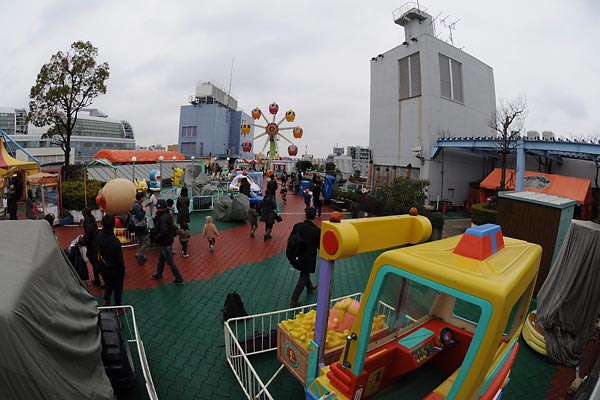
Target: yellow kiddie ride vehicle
(454, 309)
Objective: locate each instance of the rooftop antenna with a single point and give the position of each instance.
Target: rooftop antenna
(433, 24)
(451, 26)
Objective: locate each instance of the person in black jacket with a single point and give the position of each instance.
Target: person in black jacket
(268, 212)
(11, 202)
(318, 195)
(112, 258)
(312, 236)
(165, 236)
(245, 186)
(90, 241)
(272, 185)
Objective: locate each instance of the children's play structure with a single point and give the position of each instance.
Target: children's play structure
(437, 320)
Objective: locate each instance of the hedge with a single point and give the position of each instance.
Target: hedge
(481, 215)
(72, 194)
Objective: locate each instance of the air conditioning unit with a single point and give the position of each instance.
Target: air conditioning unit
(548, 135)
(533, 135)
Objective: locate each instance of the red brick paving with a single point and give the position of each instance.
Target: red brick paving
(233, 247)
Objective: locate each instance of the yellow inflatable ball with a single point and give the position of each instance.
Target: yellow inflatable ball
(117, 196)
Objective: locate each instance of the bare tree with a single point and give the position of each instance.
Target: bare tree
(508, 121)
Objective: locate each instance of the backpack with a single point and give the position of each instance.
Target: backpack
(133, 223)
(295, 249)
(233, 307)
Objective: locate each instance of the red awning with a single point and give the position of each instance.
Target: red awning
(142, 156)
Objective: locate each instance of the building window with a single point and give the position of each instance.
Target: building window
(451, 79)
(188, 131)
(188, 148)
(410, 76)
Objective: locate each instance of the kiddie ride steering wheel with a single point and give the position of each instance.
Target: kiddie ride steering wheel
(447, 338)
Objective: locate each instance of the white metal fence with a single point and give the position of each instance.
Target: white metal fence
(133, 336)
(256, 334)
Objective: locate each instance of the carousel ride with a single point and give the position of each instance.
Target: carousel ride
(272, 132)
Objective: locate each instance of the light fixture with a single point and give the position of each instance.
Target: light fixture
(373, 59)
(380, 55)
(414, 39)
(133, 160)
(405, 43)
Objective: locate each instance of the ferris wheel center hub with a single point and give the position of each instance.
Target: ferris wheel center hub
(272, 129)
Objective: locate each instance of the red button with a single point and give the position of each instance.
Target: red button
(331, 243)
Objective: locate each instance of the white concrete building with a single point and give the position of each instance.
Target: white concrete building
(423, 89)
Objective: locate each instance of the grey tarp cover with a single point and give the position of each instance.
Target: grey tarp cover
(49, 338)
(228, 209)
(195, 180)
(569, 300)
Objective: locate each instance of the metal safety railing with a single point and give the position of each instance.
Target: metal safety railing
(133, 336)
(256, 334)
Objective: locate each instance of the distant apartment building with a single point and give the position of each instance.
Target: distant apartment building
(361, 156)
(424, 89)
(93, 131)
(13, 121)
(211, 125)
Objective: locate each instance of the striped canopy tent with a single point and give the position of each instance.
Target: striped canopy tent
(10, 165)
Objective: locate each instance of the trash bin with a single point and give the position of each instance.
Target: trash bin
(304, 185)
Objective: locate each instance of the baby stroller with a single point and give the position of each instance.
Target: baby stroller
(75, 256)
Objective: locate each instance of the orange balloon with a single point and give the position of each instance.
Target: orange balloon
(118, 223)
(413, 211)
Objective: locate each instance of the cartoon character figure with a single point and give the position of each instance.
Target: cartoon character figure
(155, 180)
(343, 314)
(117, 196)
(177, 174)
(141, 185)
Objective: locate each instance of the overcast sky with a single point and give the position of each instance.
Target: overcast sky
(311, 56)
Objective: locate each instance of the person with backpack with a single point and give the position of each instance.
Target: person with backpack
(139, 226)
(165, 235)
(306, 254)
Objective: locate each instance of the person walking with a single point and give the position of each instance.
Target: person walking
(111, 256)
(272, 185)
(90, 241)
(307, 194)
(210, 232)
(165, 235)
(311, 234)
(284, 178)
(268, 211)
(318, 196)
(183, 207)
(252, 219)
(184, 236)
(150, 205)
(11, 202)
(140, 228)
(30, 206)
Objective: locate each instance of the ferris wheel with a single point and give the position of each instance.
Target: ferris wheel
(272, 132)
